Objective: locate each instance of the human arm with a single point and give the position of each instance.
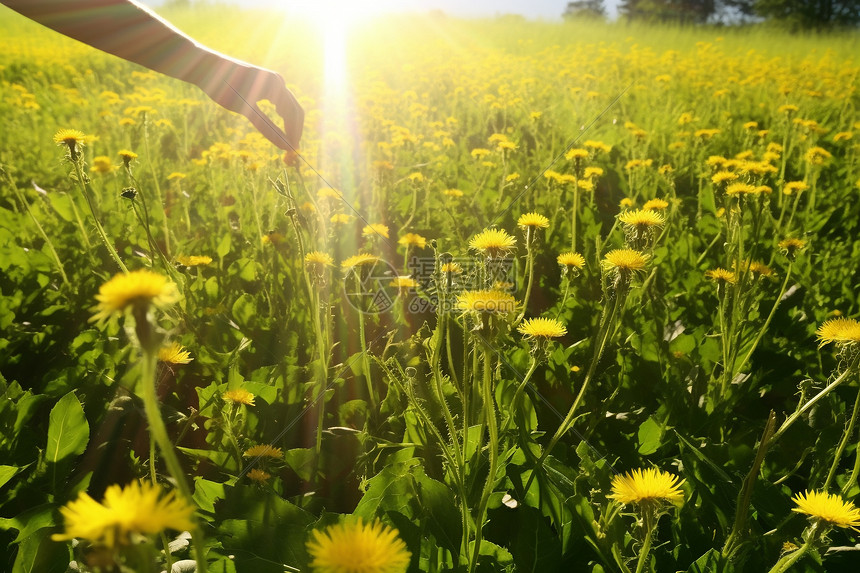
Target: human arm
(132, 32)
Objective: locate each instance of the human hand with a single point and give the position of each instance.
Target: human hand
(238, 87)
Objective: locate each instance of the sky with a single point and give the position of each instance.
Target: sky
(543, 9)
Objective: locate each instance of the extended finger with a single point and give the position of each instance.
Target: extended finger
(265, 126)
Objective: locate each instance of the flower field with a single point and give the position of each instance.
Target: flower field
(533, 297)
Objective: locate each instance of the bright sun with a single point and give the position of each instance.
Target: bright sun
(333, 20)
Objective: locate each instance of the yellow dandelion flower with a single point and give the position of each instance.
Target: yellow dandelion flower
(576, 154)
(101, 164)
(788, 109)
(453, 268)
(358, 260)
(793, 187)
(544, 328)
(133, 289)
(375, 229)
(127, 155)
(817, 156)
(413, 240)
(258, 475)
(533, 220)
(479, 153)
(625, 260)
(598, 146)
(137, 509)
(717, 161)
(491, 301)
(239, 396)
(655, 205)
(843, 136)
(340, 218)
(571, 260)
(454, 193)
(750, 125)
(740, 188)
(721, 177)
(318, 260)
(512, 177)
(761, 269)
(356, 547)
(706, 133)
(626, 203)
(791, 245)
(404, 283)
(264, 451)
(493, 242)
(719, 275)
(592, 172)
(828, 507)
(839, 330)
(641, 219)
(71, 137)
(194, 260)
(176, 175)
(174, 354)
(647, 486)
(329, 193)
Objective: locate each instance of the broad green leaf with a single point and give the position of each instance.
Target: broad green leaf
(301, 461)
(68, 430)
(223, 246)
(244, 310)
(7, 473)
(437, 502)
(263, 530)
(650, 433)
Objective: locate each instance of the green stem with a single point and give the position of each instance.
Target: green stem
(85, 189)
(516, 399)
(602, 338)
(769, 319)
(26, 207)
(842, 443)
(492, 429)
(648, 518)
(371, 393)
(812, 401)
(158, 432)
(573, 215)
(157, 186)
(530, 261)
(787, 561)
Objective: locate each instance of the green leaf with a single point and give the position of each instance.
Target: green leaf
(38, 553)
(650, 433)
(30, 521)
(7, 473)
(301, 461)
(492, 557)
(263, 530)
(223, 246)
(392, 489)
(712, 562)
(437, 501)
(68, 430)
(244, 310)
(535, 547)
(206, 493)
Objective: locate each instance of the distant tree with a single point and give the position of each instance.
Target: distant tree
(585, 8)
(810, 14)
(686, 11)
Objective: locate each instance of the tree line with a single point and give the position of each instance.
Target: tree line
(793, 14)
